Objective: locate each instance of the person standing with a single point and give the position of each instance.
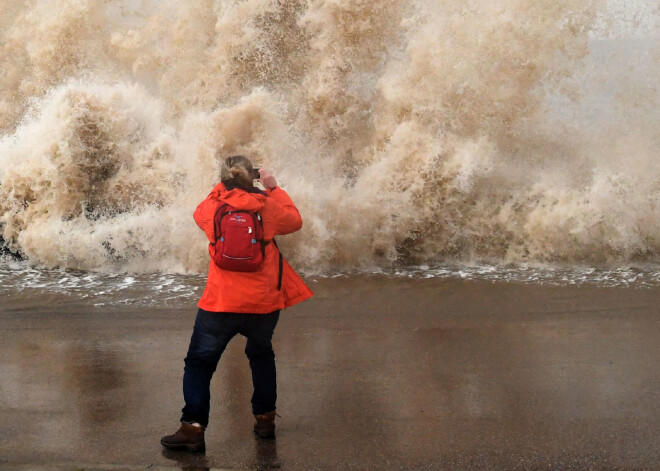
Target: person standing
(241, 296)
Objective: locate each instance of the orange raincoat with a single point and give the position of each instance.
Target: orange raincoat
(253, 292)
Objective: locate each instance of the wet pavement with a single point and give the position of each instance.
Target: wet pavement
(373, 373)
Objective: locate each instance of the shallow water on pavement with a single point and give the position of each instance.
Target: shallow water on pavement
(373, 373)
(20, 279)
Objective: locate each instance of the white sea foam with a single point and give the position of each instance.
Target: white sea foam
(100, 289)
(108, 289)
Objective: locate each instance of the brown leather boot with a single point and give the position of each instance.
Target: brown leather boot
(188, 437)
(265, 425)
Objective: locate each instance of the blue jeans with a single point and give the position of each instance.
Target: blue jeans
(212, 333)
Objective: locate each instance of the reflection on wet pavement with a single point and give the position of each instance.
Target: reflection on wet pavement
(372, 374)
(187, 461)
(265, 452)
(92, 373)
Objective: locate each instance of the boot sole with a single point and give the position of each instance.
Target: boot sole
(185, 446)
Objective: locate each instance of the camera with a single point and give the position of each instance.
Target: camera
(255, 173)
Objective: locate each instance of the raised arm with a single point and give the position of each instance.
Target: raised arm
(287, 219)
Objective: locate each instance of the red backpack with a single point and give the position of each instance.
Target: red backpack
(239, 239)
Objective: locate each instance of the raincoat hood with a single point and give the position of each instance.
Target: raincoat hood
(241, 199)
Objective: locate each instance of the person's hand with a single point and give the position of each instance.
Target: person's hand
(267, 179)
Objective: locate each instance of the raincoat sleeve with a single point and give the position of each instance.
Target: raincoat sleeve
(288, 218)
(206, 210)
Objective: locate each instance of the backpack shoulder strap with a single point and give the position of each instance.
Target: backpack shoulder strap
(216, 223)
(281, 263)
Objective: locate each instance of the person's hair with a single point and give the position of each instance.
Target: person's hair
(237, 171)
